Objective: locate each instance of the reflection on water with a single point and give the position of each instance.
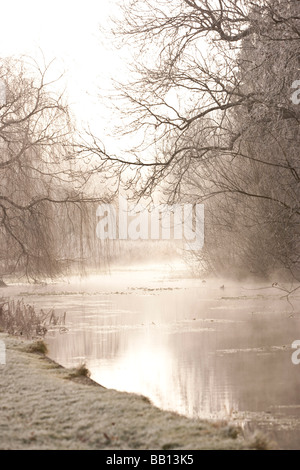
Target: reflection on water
(187, 345)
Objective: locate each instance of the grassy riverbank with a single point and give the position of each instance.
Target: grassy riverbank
(43, 407)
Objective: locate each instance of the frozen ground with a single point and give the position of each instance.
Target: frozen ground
(41, 408)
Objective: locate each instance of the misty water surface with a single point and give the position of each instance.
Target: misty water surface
(190, 346)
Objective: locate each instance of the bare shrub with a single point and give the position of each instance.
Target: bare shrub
(38, 347)
(80, 371)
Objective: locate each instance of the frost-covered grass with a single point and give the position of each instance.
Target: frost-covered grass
(42, 408)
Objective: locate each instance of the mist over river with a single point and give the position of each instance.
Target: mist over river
(204, 348)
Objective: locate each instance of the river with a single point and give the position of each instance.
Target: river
(204, 348)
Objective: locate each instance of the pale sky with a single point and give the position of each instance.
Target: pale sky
(67, 30)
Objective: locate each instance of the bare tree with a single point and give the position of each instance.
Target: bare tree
(211, 104)
(43, 183)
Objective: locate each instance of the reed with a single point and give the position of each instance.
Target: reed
(21, 319)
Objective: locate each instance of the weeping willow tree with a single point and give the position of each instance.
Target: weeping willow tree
(47, 206)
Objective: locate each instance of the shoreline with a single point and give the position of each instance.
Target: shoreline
(42, 407)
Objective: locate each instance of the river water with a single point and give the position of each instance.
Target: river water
(212, 349)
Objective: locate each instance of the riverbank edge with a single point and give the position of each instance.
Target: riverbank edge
(43, 406)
